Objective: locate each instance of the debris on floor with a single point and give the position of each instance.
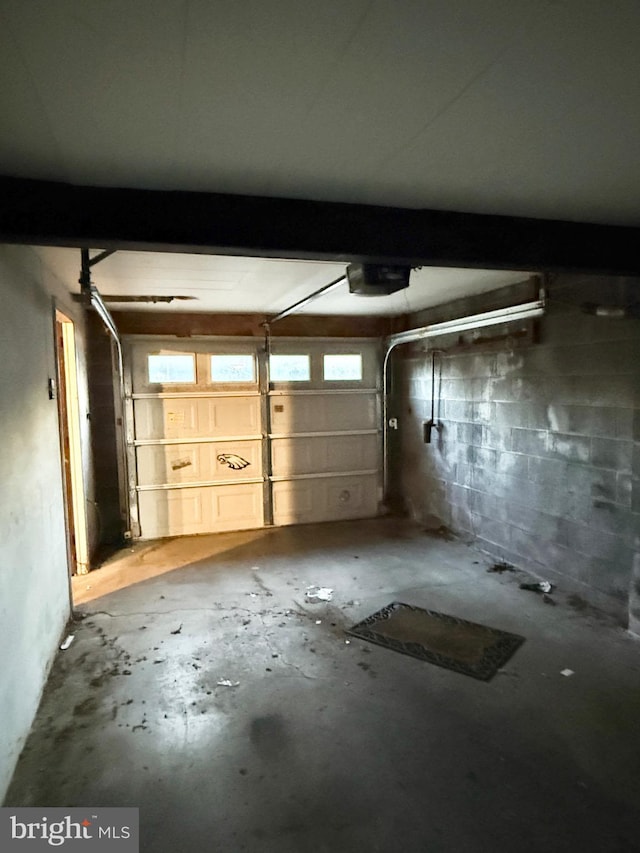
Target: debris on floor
(541, 586)
(178, 629)
(67, 642)
(225, 682)
(499, 568)
(319, 593)
(567, 672)
(442, 531)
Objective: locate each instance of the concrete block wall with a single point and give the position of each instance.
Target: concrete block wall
(537, 459)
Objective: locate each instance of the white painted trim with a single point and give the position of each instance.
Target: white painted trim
(78, 499)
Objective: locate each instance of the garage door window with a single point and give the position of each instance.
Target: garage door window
(289, 368)
(233, 368)
(178, 369)
(343, 368)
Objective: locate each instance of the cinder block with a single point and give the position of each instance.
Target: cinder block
(593, 543)
(458, 410)
(464, 432)
(589, 390)
(515, 389)
(542, 470)
(491, 530)
(605, 486)
(635, 497)
(461, 496)
(530, 441)
(588, 358)
(454, 389)
(533, 521)
(624, 483)
(545, 553)
(461, 519)
(483, 411)
(485, 457)
(497, 552)
(529, 414)
(486, 504)
(498, 438)
(569, 447)
(625, 421)
(463, 474)
(611, 453)
(614, 520)
(511, 363)
(605, 421)
(515, 464)
(634, 595)
(611, 576)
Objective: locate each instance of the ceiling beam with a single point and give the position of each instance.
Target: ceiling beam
(56, 214)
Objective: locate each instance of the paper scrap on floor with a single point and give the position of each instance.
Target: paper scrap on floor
(319, 593)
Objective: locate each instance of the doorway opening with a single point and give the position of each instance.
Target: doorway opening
(71, 451)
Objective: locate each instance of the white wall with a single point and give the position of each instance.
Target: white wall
(34, 596)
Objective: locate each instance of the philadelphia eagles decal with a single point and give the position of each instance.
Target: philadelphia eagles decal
(233, 461)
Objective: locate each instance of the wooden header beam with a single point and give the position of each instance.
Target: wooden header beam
(46, 213)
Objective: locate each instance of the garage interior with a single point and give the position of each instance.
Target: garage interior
(204, 420)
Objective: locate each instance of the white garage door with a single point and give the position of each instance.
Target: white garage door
(215, 446)
(325, 442)
(197, 434)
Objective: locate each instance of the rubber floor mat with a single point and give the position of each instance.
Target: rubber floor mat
(465, 647)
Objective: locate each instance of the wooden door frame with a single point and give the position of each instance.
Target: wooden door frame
(70, 444)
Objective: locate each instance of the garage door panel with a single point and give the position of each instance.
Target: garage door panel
(323, 454)
(237, 507)
(195, 463)
(166, 418)
(171, 513)
(231, 415)
(293, 456)
(236, 459)
(351, 452)
(206, 509)
(177, 417)
(158, 464)
(324, 499)
(318, 413)
(350, 412)
(291, 501)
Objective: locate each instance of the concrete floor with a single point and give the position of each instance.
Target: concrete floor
(325, 745)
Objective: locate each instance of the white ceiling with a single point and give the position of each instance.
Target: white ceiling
(261, 285)
(525, 107)
(522, 107)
